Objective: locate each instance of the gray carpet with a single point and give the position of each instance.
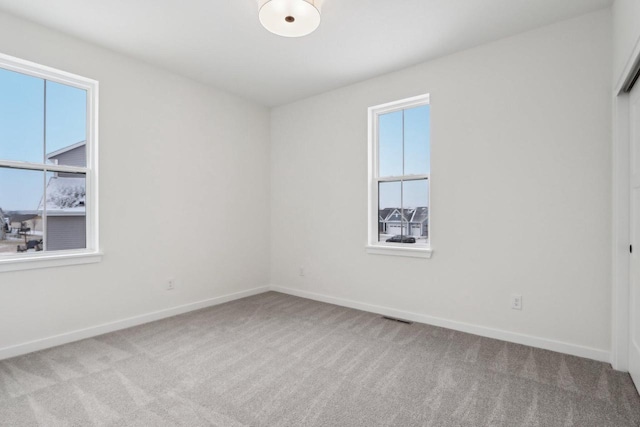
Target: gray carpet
(278, 360)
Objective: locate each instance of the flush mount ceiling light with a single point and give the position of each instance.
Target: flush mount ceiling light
(290, 18)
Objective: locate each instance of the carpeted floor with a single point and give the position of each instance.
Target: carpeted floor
(273, 360)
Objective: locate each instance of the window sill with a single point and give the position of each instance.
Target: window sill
(423, 252)
(49, 260)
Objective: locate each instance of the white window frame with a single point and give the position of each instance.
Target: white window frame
(92, 253)
(384, 248)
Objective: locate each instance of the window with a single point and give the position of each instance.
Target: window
(399, 178)
(48, 166)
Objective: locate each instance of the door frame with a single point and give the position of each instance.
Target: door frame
(621, 220)
(621, 234)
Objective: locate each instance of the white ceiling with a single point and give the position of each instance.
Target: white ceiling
(221, 42)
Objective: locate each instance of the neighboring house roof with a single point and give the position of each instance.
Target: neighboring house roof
(65, 196)
(399, 214)
(420, 214)
(384, 213)
(56, 153)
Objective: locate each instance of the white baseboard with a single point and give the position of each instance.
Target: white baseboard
(559, 346)
(547, 344)
(67, 337)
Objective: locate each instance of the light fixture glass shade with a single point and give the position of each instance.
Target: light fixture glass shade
(289, 18)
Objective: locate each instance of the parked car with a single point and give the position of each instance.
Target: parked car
(401, 239)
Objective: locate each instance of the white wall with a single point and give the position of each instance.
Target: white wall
(521, 183)
(182, 194)
(626, 36)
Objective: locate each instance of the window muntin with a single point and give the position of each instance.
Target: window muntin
(48, 165)
(399, 174)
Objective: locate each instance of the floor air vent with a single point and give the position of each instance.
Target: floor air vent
(406, 322)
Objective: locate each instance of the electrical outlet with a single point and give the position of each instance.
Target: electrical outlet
(302, 271)
(171, 284)
(516, 302)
